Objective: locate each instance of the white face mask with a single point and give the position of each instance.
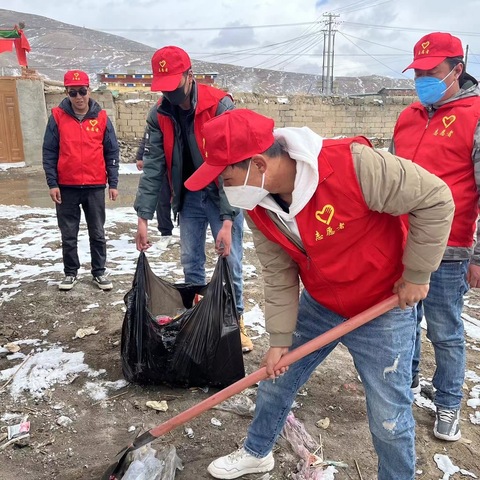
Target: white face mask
(246, 196)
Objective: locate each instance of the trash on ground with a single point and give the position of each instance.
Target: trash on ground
(239, 404)
(189, 432)
(131, 429)
(323, 423)
(83, 332)
(161, 406)
(448, 468)
(64, 421)
(144, 464)
(18, 429)
(475, 417)
(311, 466)
(216, 422)
(147, 463)
(12, 347)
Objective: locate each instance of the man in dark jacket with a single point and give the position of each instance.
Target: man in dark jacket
(164, 205)
(173, 147)
(80, 156)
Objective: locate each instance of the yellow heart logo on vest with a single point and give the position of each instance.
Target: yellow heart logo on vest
(447, 121)
(325, 215)
(93, 123)
(425, 45)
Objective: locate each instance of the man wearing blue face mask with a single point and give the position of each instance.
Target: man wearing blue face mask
(442, 134)
(173, 131)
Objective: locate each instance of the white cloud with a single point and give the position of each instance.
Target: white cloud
(374, 36)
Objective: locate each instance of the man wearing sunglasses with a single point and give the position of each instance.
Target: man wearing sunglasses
(80, 156)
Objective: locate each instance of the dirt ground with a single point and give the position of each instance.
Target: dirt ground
(83, 449)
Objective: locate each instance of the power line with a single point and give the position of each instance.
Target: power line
(371, 56)
(408, 29)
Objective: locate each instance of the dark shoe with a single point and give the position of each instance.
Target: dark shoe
(102, 282)
(447, 425)
(416, 387)
(240, 463)
(68, 282)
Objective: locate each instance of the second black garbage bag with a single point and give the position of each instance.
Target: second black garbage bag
(166, 338)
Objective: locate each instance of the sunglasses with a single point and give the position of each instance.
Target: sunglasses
(82, 91)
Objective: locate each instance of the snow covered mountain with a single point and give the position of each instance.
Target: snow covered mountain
(57, 47)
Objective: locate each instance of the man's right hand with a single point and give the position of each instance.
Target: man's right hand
(139, 164)
(141, 238)
(272, 357)
(55, 195)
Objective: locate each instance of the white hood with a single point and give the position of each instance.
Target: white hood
(303, 145)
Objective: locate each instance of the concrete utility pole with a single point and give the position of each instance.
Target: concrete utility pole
(328, 53)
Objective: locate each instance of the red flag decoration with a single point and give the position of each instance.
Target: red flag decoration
(9, 38)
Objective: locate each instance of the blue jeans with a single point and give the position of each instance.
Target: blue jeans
(199, 211)
(442, 309)
(92, 201)
(382, 352)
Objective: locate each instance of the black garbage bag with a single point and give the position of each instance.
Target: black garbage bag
(201, 344)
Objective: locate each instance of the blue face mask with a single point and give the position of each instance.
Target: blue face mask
(430, 89)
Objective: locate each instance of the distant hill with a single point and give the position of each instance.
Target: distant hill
(57, 47)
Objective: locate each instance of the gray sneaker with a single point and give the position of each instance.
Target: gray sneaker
(68, 282)
(102, 282)
(447, 425)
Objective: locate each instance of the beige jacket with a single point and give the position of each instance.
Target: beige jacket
(390, 184)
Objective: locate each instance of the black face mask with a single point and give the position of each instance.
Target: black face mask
(177, 96)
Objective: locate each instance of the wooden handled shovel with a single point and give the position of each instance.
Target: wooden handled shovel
(248, 381)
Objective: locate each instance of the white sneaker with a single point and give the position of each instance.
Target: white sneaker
(240, 463)
(164, 242)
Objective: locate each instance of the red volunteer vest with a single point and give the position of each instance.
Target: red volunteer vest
(208, 99)
(81, 160)
(443, 145)
(352, 255)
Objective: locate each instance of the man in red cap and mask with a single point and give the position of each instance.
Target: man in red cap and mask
(441, 133)
(80, 156)
(173, 148)
(327, 212)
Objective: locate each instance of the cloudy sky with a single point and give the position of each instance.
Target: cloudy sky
(371, 36)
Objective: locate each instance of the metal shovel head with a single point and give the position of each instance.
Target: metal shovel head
(116, 470)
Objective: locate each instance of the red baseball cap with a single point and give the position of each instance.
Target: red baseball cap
(229, 138)
(76, 78)
(433, 49)
(168, 66)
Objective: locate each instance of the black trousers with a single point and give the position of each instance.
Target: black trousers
(92, 201)
(164, 216)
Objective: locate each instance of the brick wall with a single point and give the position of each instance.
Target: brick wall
(372, 116)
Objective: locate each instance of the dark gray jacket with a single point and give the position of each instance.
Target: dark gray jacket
(154, 163)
